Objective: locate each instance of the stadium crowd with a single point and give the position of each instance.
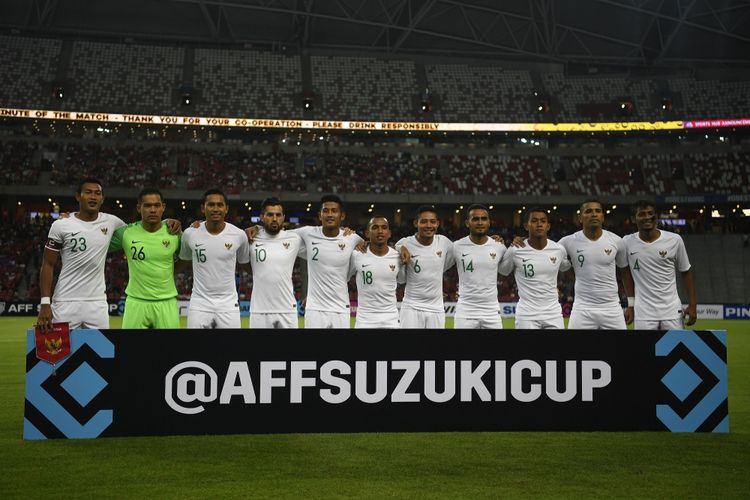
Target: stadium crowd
(240, 170)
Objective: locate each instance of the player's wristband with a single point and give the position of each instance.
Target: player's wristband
(45, 301)
(631, 301)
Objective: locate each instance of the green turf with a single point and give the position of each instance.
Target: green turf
(427, 465)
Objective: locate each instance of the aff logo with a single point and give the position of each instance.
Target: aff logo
(78, 415)
(697, 378)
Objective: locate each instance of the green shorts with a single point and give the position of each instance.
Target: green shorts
(151, 313)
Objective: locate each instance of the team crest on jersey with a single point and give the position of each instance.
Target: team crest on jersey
(439, 253)
(166, 243)
(553, 259)
(393, 267)
(104, 230)
(608, 251)
(493, 255)
(342, 245)
(663, 253)
(286, 245)
(228, 246)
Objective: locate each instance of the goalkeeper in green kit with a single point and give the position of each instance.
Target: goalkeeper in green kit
(150, 251)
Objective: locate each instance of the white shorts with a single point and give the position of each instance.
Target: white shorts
(411, 318)
(327, 319)
(655, 324)
(274, 320)
(82, 313)
(479, 323)
(213, 319)
(596, 317)
(540, 324)
(377, 319)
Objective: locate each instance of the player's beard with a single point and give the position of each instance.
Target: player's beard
(272, 231)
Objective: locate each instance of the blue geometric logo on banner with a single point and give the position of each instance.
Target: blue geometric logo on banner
(683, 380)
(83, 385)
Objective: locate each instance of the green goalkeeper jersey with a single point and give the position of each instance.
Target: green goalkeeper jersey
(150, 260)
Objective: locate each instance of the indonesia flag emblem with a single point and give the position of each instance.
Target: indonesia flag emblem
(54, 345)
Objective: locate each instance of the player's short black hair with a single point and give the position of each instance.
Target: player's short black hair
(331, 198)
(88, 180)
(641, 204)
(590, 200)
(425, 208)
(270, 202)
(535, 208)
(149, 190)
(214, 191)
(378, 216)
(476, 206)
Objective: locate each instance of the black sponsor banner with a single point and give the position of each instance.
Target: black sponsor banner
(158, 382)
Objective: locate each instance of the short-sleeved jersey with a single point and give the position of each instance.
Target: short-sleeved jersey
(215, 258)
(477, 276)
(377, 278)
(536, 277)
(327, 268)
(594, 263)
(150, 260)
(272, 258)
(83, 251)
(653, 268)
(424, 273)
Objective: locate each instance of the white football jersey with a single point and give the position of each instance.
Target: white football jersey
(424, 274)
(272, 259)
(83, 252)
(377, 278)
(536, 277)
(477, 276)
(327, 268)
(215, 258)
(595, 265)
(653, 268)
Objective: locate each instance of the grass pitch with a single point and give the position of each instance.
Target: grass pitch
(407, 465)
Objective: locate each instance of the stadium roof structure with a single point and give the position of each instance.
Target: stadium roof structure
(641, 33)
